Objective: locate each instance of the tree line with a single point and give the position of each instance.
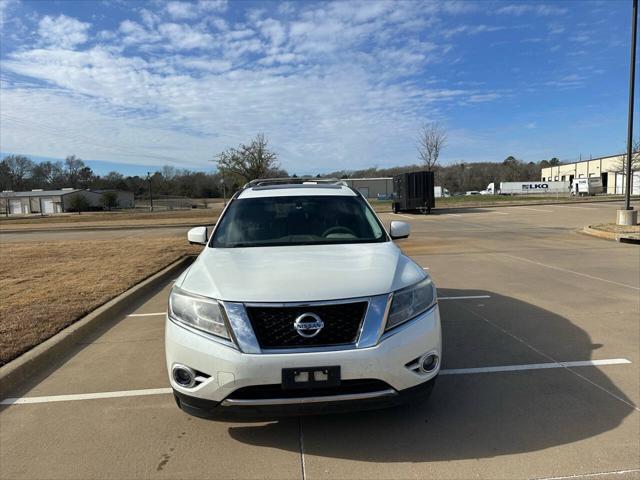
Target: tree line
(463, 176)
(20, 173)
(255, 159)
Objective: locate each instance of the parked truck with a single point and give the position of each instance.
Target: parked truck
(413, 192)
(440, 192)
(586, 186)
(527, 188)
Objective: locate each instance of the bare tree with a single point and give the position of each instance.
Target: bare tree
(620, 165)
(18, 168)
(251, 161)
(432, 139)
(73, 166)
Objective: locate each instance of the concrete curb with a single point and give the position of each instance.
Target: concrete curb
(100, 228)
(52, 350)
(588, 230)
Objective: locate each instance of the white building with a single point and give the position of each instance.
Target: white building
(610, 169)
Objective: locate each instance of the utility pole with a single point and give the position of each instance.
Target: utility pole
(224, 191)
(632, 81)
(150, 193)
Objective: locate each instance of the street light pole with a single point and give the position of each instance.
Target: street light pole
(150, 193)
(632, 79)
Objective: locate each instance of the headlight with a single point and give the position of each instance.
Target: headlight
(198, 312)
(411, 302)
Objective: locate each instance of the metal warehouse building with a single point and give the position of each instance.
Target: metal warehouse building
(46, 201)
(381, 187)
(123, 199)
(610, 169)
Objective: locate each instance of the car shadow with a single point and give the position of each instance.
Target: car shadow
(482, 415)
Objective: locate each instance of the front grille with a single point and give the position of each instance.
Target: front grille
(266, 392)
(274, 328)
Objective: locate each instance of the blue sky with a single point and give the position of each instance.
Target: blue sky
(333, 85)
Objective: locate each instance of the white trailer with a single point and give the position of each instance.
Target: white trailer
(528, 188)
(587, 186)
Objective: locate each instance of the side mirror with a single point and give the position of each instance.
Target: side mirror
(399, 230)
(197, 236)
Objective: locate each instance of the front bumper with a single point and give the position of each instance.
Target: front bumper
(225, 369)
(219, 410)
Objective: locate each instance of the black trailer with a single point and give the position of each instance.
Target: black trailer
(413, 192)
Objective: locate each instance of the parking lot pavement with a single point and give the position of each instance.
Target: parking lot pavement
(540, 378)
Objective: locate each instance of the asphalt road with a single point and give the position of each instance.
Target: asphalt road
(540, 380)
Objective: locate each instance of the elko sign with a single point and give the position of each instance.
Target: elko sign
(535, 186)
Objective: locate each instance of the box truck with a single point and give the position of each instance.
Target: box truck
(413, 192)
(587, 186)
(527, 188)
(439, 192)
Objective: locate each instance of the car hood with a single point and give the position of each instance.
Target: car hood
(300, 273)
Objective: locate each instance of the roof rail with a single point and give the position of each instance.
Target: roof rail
(261, 182)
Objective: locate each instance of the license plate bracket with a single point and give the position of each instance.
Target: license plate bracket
(310, 377)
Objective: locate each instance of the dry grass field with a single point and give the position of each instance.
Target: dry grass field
(45, 287)
(122, 218)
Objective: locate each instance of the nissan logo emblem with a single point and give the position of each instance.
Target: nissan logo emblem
(308, 325)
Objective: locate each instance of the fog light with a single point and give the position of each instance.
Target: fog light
(429, 362)
(183, 376)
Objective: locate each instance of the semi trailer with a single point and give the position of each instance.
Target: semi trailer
(527, 188)
(413, 192)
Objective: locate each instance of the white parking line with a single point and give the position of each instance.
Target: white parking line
(591, 475)
(146, 314)
(425, 268)
(573, 206)
(535, 366)
(85, 396)
(535, 209)
(465, 297)
(553, 267)
(455, 371)
(405, 216)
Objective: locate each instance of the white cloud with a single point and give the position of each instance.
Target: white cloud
(63, 31)
(134, 33)
(183, 10)
(567, 81)
(184, 37)
(212, 5)
(536, 9)
(472, 29)
(339, 75)
(5, 7)
(273, 31)
(336, 111)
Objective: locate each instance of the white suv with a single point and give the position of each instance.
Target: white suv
(301, 303)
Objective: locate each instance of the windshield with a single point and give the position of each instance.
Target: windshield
(301, 220)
